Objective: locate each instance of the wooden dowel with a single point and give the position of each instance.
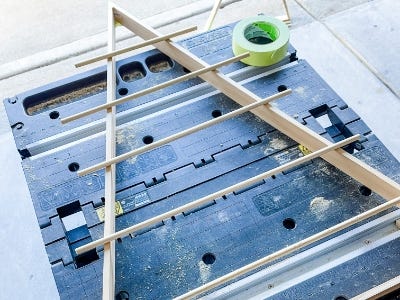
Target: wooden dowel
(134, 47)
(290, 249)
(180, 134)
(210, 20)
(213, 196)
(154, 88)
(380, 290)
(287, 11)
(109, 186)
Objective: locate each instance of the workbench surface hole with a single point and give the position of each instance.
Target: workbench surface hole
(159, 63)
(289, 223)
(123, 91)
(73, 167)
(208, 258)
(365, 191)
(216, 113)
(122, 295)
(148, 139)
(282, 88)
(54, 115)
(132, 71)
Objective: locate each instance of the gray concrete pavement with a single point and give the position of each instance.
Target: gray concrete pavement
(324, 8)
(31, 26)
(324, 33)
(374, 35)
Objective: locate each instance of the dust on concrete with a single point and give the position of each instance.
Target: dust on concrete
(127, 136)
(319, 207)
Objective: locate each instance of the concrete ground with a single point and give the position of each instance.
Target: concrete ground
(352, 44)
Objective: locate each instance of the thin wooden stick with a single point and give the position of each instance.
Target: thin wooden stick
(284, 19)
(213, 196)
(134, 47)
(360, 171)
(286, 10)
(109, 187)
(154, 88)
(290, 249)
(212, 15)
(380, 290)
(180, 134)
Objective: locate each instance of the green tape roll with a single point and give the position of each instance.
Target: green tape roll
(266, 38)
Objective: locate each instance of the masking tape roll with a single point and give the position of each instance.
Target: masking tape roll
(266, 38)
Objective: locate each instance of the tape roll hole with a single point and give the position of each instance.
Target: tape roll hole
(261, 33)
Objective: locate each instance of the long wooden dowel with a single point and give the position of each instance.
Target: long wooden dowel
(134, 47)
(352, 166)
(181, 134)
(109, 185)
(290, 249)
(213, 196)
(213, 13)
(154, 88)
(380, 290)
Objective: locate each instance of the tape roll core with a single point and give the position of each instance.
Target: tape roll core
(266, 38)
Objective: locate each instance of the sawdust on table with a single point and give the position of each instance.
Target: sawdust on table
(319, 207)
(278, 144)
(127, 137)
(205, 271)
(132, 75)
(299, 90)
(159, 66)
(275, 144)
(67, 97)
